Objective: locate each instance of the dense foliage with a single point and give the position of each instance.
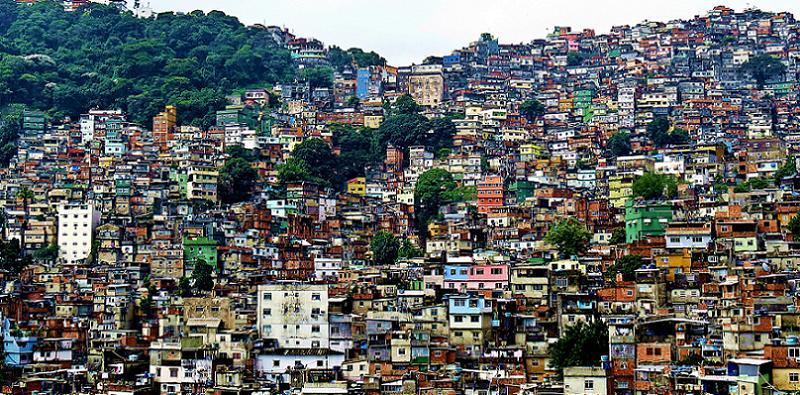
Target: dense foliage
(655, 186)
(532, 109)
(764, 68)
(340, 59)
(433, 190)
(237, 179)
(627, 266)
(384, 247)
(659, 131)
(12, 260)
(569, 236)
(67, 62)
(619, 144)
(581, 344)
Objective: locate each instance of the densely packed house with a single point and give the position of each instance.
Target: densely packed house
(606, 214)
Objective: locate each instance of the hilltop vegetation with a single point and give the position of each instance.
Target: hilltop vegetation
(66, 62)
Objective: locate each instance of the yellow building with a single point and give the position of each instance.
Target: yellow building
(357, 186)
(426, 85)
(620, 189)
(676, 262)
(373, 121)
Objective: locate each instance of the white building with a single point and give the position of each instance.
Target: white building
(295, 315)
(585, 380)
(76, 225)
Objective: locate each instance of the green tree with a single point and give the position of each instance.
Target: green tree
(357, 150)
(185, 287)
(619, 144)
(385, 247)
(295, 170)
(237, 151)
(430, 194)
(404, 104)
(46, 254)
(319, 159)
(443, 153)
(763, 68)
(617, 236)
(12, 260)
(582, 344)
(236, 181)
(409, 250)
(788, 169)
(627, 266)
(532, 109)
(658, 130)
(794, 227)
(569, 236)
(655, 186)
(202, 280)
(317, 76)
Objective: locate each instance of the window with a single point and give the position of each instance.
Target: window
(267, 296)
(315, 328)
(588, 384)
(794, 377)
(315, 296)
(794, 352)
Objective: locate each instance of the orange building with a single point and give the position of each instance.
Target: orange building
(490, 194)
(163, 126)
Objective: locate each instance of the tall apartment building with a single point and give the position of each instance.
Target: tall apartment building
(163, 126)
(426, 85)
(76, 225)
(293, 314)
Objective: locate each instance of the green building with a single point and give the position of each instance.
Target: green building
(199, 248)
(238, 115)
(181, 177)
(33, 122)
(646, 219)
(522, 190)
(123, 187)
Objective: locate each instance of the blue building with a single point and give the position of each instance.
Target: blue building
(18, 349)
(362, 83)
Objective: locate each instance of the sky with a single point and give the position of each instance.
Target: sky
(407, 31)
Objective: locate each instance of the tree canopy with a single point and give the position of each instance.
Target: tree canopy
(763, 68)
(532, 109)
(341, 59)
(627, 266)
(406, 127)
(430, 193)
(659, 131)
(67, 62)
(619, 144)
(385, 247)
(237, 179)
(582, 344)
(202, 277)
(655, 186)
(12, 259)
(569, 236)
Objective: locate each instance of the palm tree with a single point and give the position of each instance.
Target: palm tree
(26, 194)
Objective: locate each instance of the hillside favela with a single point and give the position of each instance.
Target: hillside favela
(193, 204)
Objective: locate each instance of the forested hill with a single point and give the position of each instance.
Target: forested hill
(67, 62)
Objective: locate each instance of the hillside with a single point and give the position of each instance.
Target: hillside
(66, 62)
